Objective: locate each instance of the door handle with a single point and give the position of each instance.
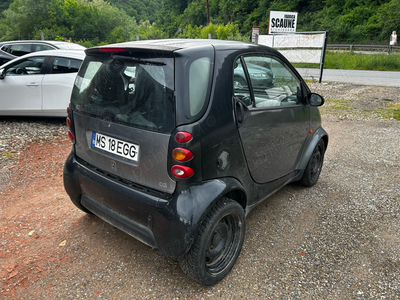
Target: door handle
(32, 84)
(241, 112)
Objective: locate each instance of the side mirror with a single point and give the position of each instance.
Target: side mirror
(316, 100)
(2, 74)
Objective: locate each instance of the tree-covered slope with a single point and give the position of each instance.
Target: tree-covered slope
(97, 21)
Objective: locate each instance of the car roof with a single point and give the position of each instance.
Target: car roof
(58, 44)
(178, 44)
(76, 53)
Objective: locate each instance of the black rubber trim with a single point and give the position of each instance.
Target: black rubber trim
(139, 232)
(125, 182)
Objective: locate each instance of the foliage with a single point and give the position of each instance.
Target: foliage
(227, 32)
(358, 61)
(141, 10)
(4, 4)
(94, 22)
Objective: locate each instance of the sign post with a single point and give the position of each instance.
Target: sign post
(255, 32)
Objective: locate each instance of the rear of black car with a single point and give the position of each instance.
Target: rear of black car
(136, 140)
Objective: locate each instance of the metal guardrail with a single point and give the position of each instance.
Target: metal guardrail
(352, 47)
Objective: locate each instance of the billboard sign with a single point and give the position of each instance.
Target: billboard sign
(282, 22)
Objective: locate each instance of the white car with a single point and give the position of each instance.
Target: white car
(12, 49)
(39, 84)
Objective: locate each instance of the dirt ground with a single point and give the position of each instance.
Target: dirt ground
(50, 249)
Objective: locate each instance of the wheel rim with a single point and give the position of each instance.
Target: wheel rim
(223, 244)
(316, 163)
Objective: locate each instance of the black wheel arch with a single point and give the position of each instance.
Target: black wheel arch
(191, 213)
(319, 134)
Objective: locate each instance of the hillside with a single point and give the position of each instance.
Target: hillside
(96, 21)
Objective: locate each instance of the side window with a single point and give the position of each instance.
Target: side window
(240, 85)
(4, 48)
(27, 66)
(20, 49)
(273, 84)
(199, 76)
(41, 47)
(65, 65)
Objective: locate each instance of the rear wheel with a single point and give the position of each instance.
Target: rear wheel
(217, 245)
(314, 166)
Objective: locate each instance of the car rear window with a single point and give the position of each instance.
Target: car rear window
(65, 65)
(132, 89)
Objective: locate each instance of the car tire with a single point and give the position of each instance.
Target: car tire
(314, 165)
(218, 243)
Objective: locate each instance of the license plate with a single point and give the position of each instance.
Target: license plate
(115, 146)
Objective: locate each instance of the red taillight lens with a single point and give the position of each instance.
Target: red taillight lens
(70, 135)
(68, 110)
(112, 49)
(183, 137)
(181, 154)
(68, 122)
(182, 171)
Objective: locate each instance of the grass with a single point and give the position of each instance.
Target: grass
(357, 61)
(392, 110)
(343, 108)
(7, 154)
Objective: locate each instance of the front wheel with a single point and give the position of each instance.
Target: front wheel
(218, 243)
(314, 166)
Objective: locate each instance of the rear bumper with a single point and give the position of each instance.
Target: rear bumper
(168, 222)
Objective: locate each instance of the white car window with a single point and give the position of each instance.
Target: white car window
(41, 47)
(27, 66)
(20, 49)
(65, 65)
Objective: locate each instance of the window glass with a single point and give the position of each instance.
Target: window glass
(41, 47)
(20, 49)
(240, 85)
(199, 74)
(134, 91)
(28, 66)
(65, 65)
(273, 84)
(4, 48)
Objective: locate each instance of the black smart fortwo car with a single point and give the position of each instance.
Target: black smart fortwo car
(171, 149)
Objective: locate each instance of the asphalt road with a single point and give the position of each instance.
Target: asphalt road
(379, 78)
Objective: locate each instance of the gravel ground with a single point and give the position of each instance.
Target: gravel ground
(337, 240)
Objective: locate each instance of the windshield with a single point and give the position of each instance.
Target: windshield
(130, 90)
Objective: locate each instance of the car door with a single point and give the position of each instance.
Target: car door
(57, 85)
(21, 86)
(273, 119)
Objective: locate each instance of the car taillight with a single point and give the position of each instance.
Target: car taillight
(68, 110)
(68, 121)
(182, 172)
(112, 49)
(183, 137)
(181, 154)
(70, 135)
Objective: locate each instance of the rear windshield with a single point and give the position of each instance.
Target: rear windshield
(130, 89)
